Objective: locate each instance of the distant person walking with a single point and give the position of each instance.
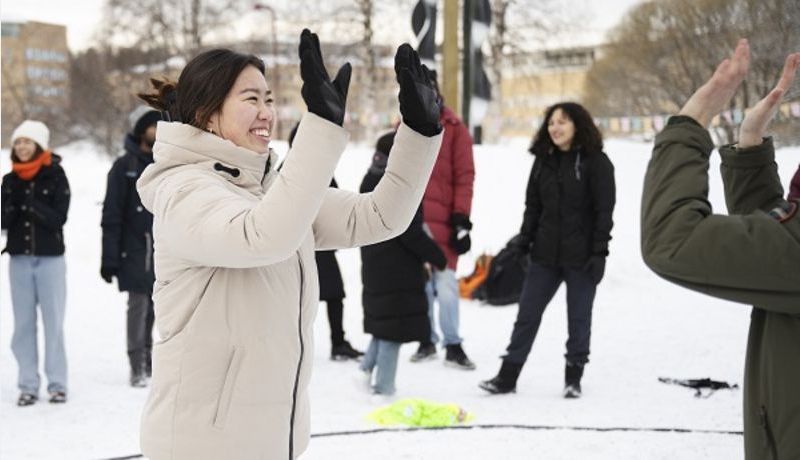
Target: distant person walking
(35, 201)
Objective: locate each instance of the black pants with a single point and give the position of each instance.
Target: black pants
(541, 284)
(140, 329)
(335, 314)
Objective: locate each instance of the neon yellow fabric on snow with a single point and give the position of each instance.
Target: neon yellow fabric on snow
(420, 412)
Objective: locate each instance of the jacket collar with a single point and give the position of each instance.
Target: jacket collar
(184, 144)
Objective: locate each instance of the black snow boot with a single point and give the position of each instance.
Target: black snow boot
(344, 351)
(573, 372)
(505, 381)
(455, 357)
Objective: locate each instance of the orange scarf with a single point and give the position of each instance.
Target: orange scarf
(29, 169)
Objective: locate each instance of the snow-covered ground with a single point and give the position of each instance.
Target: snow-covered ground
(643, 328)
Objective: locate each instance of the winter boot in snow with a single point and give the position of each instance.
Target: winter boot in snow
(425, 352)
(58, 397)
(505, 381)
(572, 380)
(344, 351)
(455, 357)
(27, 399)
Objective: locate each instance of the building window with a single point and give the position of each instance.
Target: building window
(36, 54)
(36, 73)
(10, 29)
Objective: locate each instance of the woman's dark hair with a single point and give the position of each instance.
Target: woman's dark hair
(202, 86)
(587, 136)
(39, 151)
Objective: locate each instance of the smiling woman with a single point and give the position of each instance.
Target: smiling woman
(236, 283)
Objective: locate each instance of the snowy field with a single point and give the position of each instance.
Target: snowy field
(643, 328)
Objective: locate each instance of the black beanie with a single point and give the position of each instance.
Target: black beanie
(145, 121)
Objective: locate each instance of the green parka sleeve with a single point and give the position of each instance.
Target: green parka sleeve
(749, 257)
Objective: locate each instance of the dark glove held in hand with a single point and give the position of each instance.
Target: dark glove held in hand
(596, 267)
(108, 273)
(520, 244)
(323, 97)
(459, 238)
(419, 103)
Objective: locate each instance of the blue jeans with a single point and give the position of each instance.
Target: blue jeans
(443, 287)
(382, 354)
(39, 281)
(541, 284)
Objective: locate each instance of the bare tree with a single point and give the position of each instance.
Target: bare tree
(663, 51)
(517, 27)
(180, 27)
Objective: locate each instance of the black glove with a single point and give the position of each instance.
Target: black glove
(521, 244)
(108, 273)
(595, 267)
(323, 97)
(459, 238)
(419, 102)
(440, 260)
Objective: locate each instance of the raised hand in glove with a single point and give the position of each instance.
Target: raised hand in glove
(108, 273)
(459, 238)
(323, 97)
(596, 267)
(419, 101)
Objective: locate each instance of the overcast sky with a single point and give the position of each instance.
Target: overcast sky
(82, 16)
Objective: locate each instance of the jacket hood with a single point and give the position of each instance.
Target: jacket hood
(178, 145)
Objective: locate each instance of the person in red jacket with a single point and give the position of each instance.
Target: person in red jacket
(794, 187)
(446, 208)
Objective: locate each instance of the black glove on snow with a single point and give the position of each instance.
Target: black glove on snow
(323, 97)
(108, 273)
(596, 267)
(419, 102)
(459, 238)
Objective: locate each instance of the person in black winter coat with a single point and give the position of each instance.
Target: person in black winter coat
(393, 275)
(128, 240)
(35, 202)
(331, 291)
(566, 228)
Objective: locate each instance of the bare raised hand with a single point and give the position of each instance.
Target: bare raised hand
(711, 98)
(754, 125)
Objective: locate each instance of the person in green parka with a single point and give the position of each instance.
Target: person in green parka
(750, 256)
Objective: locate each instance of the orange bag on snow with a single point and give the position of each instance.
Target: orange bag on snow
(468, 284)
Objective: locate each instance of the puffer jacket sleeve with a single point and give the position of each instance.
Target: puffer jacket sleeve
(463, 171)
(112, 217)
(347, 219)
(748, 258)
(604, 194)
(533, 203)
(750, 177)
(204, 223)
(11, 210)
(421, 244)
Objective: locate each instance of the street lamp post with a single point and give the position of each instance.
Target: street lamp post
(275, 81)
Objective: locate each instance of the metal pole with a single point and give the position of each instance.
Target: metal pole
(466, 89)
(448, 80)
